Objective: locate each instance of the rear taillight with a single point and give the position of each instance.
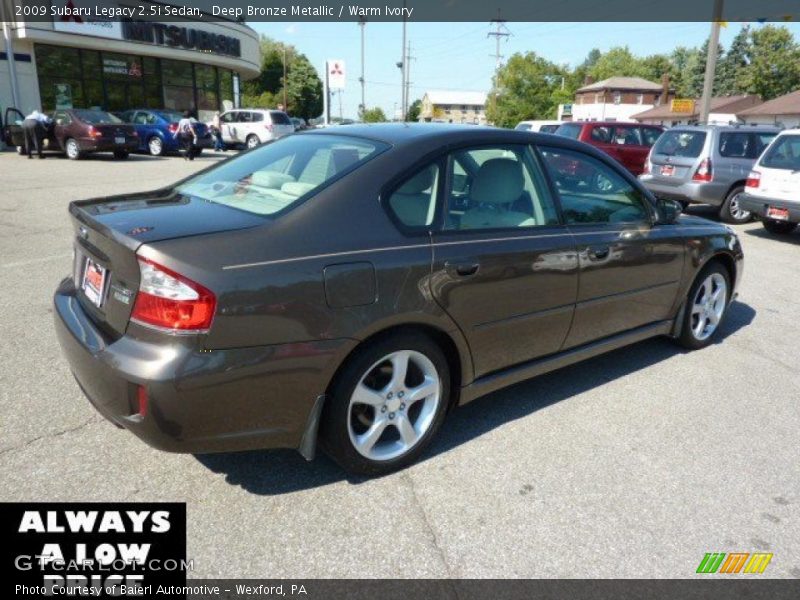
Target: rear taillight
(753, 179)
(168, 300)
(94, 132)
(173, 127)
(646, 168)
(704, 171)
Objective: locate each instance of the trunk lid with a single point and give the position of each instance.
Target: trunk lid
(109, 231)
(676, 155)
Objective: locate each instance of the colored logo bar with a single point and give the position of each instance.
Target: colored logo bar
(734, 562)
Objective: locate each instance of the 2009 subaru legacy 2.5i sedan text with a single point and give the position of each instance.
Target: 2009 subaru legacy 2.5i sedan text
(351, 287)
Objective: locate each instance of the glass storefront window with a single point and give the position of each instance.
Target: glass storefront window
(58, 61)
(225, 86)
(176, 72)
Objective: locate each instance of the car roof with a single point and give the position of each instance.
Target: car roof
(425, 135)
(611, 123)
(769, 128)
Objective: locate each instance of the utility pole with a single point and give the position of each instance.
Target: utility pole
(285, 104)
(362, 23)
(407, 90)
(500, 32)
(711, 63)
(402, 66)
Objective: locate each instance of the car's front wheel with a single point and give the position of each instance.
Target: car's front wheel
(731, 211)
(252, 141)
(386, 404)
(706, 306)
(779, 227)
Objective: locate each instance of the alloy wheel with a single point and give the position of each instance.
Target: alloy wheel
(394, 405)
(252, 141)
(72, 148)
(708, 306)
(737, 212)
(155, 146)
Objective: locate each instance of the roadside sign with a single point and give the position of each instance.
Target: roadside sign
(682, 105)
(336, 74)
(566, 111)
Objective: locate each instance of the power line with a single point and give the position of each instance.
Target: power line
(501, 32)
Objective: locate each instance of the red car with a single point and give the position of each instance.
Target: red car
(78, 132)
(628, 143)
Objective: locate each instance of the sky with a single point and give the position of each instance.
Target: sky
(458, 56)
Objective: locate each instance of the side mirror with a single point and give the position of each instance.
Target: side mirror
(668, 211)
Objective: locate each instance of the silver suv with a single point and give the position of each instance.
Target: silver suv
(706, 164)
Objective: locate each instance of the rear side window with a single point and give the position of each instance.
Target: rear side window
(257, 117)
(523, 127)
(548, 128)
(650, 135)
(783, 154)
(627, 136)
(601, 134)
(279, 118)
(277, 176)
(737, 145)
(414, 201)
(687, 144)
(569, 130)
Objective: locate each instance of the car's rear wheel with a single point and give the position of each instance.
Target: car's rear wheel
(706, 306)
(731, 211)
(121, 154)
(20, 150)
(72, 149)
(252, 141)
(155, 146)
(779, 227)
(386, 404)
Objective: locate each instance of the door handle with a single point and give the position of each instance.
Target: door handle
(599, 252)
(462, 269)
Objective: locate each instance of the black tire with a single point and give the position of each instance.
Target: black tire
(778, 227)
(155, 146)
(687, 337)
(73, 153)
(336, 416)
(251, 141)
(121, 154)
(198, 152)
(729, 211)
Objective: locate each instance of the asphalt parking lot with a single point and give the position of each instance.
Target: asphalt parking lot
(634, 464)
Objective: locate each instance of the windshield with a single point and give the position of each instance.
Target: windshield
(276, 176)
(688, 144)
(784, 153)
(96, 117)
(570, 131)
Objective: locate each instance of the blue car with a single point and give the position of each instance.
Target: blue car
(156, 129)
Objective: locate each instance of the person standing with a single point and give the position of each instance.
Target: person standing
(33, 128)
(187, 135)
(216, 125)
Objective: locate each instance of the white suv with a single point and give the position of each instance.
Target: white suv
(254, 126)
(773, 186)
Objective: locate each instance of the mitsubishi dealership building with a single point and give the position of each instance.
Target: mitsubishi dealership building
(77, 61)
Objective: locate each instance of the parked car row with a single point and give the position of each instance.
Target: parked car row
(79, 132)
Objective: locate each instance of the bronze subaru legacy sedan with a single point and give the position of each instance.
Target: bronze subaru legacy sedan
(350, 286)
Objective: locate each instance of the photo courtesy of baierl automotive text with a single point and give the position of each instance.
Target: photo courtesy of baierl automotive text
(405, 299)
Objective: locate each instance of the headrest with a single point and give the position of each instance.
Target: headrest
(270, 179)
(297, 188)
(498, 181)
(418, 183)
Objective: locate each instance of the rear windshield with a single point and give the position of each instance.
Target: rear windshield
(680, 143)
(570, 131)
(279, 118)
(96, 117)
(276, 176)
(783, 154)
(172, 117)
(548, 128)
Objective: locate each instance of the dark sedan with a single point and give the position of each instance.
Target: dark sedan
(78, 132)
(349, 286)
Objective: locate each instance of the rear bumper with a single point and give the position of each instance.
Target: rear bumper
(198, 400)
(758, 206)
(688, 191)
(94, 145)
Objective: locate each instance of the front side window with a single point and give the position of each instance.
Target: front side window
(277, 176)
(570, 130)
(650, 135)
(627, 136)
(497, 188)
(414, 201)
(601, 134)
(592, 191)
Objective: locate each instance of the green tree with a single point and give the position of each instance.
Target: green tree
(654, 67)
(373, 115)
(773, 62)
(731, 77)
(414, 110)
(695, 72)
(617, 62)
(303, 85)
(525, 88)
